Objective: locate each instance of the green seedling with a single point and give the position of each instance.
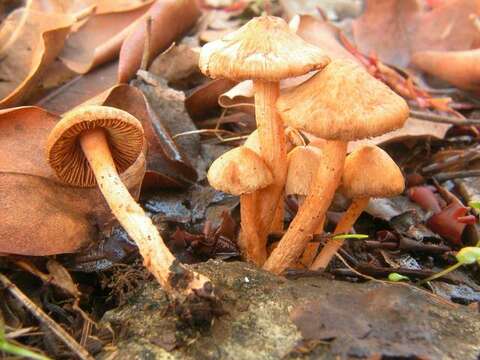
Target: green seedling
(350, 236)
(466, 256)
(396, 277)
(12, 349)
(474, 204)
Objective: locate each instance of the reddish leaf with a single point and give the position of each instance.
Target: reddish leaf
(446, 223)
(394, 29)
(170, 19)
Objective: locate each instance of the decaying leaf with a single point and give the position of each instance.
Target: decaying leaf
(40, 215)
(459, 68)
(80, 89)
(30, 40)
(394, 29)
(99, 40)
(75, 6)
(170, 19)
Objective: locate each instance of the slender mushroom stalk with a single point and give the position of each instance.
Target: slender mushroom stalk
(264, 50)
(343, 103)
(369, 172)
(91, 145)
(312, 211)
(241, 171)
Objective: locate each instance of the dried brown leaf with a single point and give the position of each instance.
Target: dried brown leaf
(30, 42)
(394, 29)
(170, 19)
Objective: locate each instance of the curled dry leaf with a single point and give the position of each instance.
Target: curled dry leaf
(99, 40)
(39, 215)
(30, 42)
(394, 29)
(76, 6)
(460, 68)
(170, 19)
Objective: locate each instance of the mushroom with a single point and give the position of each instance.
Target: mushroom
(340, 103)
(91, 145)
(369, 172)
(264, 50)
(241, 171)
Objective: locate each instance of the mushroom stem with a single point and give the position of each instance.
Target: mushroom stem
(347, 221)
(312, 248)
(249, 238)
(312, 210)
(172, 275)
(273, 150)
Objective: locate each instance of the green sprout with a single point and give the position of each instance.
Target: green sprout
(474, 204)
(9, 348)
(396, 277)
(350, 236)
(466, 256)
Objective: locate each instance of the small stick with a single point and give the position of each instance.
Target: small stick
(466, 156)
(456, 175)
(428, 116)
(146, 47)
(41, 316)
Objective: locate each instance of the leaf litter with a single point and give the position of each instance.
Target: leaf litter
(187, 127)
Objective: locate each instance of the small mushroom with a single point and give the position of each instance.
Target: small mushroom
(340, 103)
(369, 172)
(241, 171)
(91, 145)
(264, 50)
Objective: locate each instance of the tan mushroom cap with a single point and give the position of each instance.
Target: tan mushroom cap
(303, 162)
(239, 171)
(65, 155)
(343, 102)
(371, 172)
(263, 49)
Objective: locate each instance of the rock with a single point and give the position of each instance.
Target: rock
(268, 317)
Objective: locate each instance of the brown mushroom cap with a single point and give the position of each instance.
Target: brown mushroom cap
(65, 155)
(239, 171)
(371, 172)
(343, 102)
(264, 49)
(253, 141)
(303, 162)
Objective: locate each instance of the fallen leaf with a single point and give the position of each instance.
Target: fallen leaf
(80, 89)
(30, 42)
(394, 29)
(40, 215)
(459, 68)
(170, 19)
(74, 6)
(413, 129)
(334, 9)
(204, 99)
(99, 40)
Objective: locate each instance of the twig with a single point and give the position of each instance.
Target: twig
(41, 316)
(465, 157)
(428, 116)
(201, 131)
(456, 175)
(147, 45)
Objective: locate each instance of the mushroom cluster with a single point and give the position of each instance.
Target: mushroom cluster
(341, 102)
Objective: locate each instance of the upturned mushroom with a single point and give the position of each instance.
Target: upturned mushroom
(369, 172)
(90, 146)
(241, 171)
(264, 50)
(340, 103)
